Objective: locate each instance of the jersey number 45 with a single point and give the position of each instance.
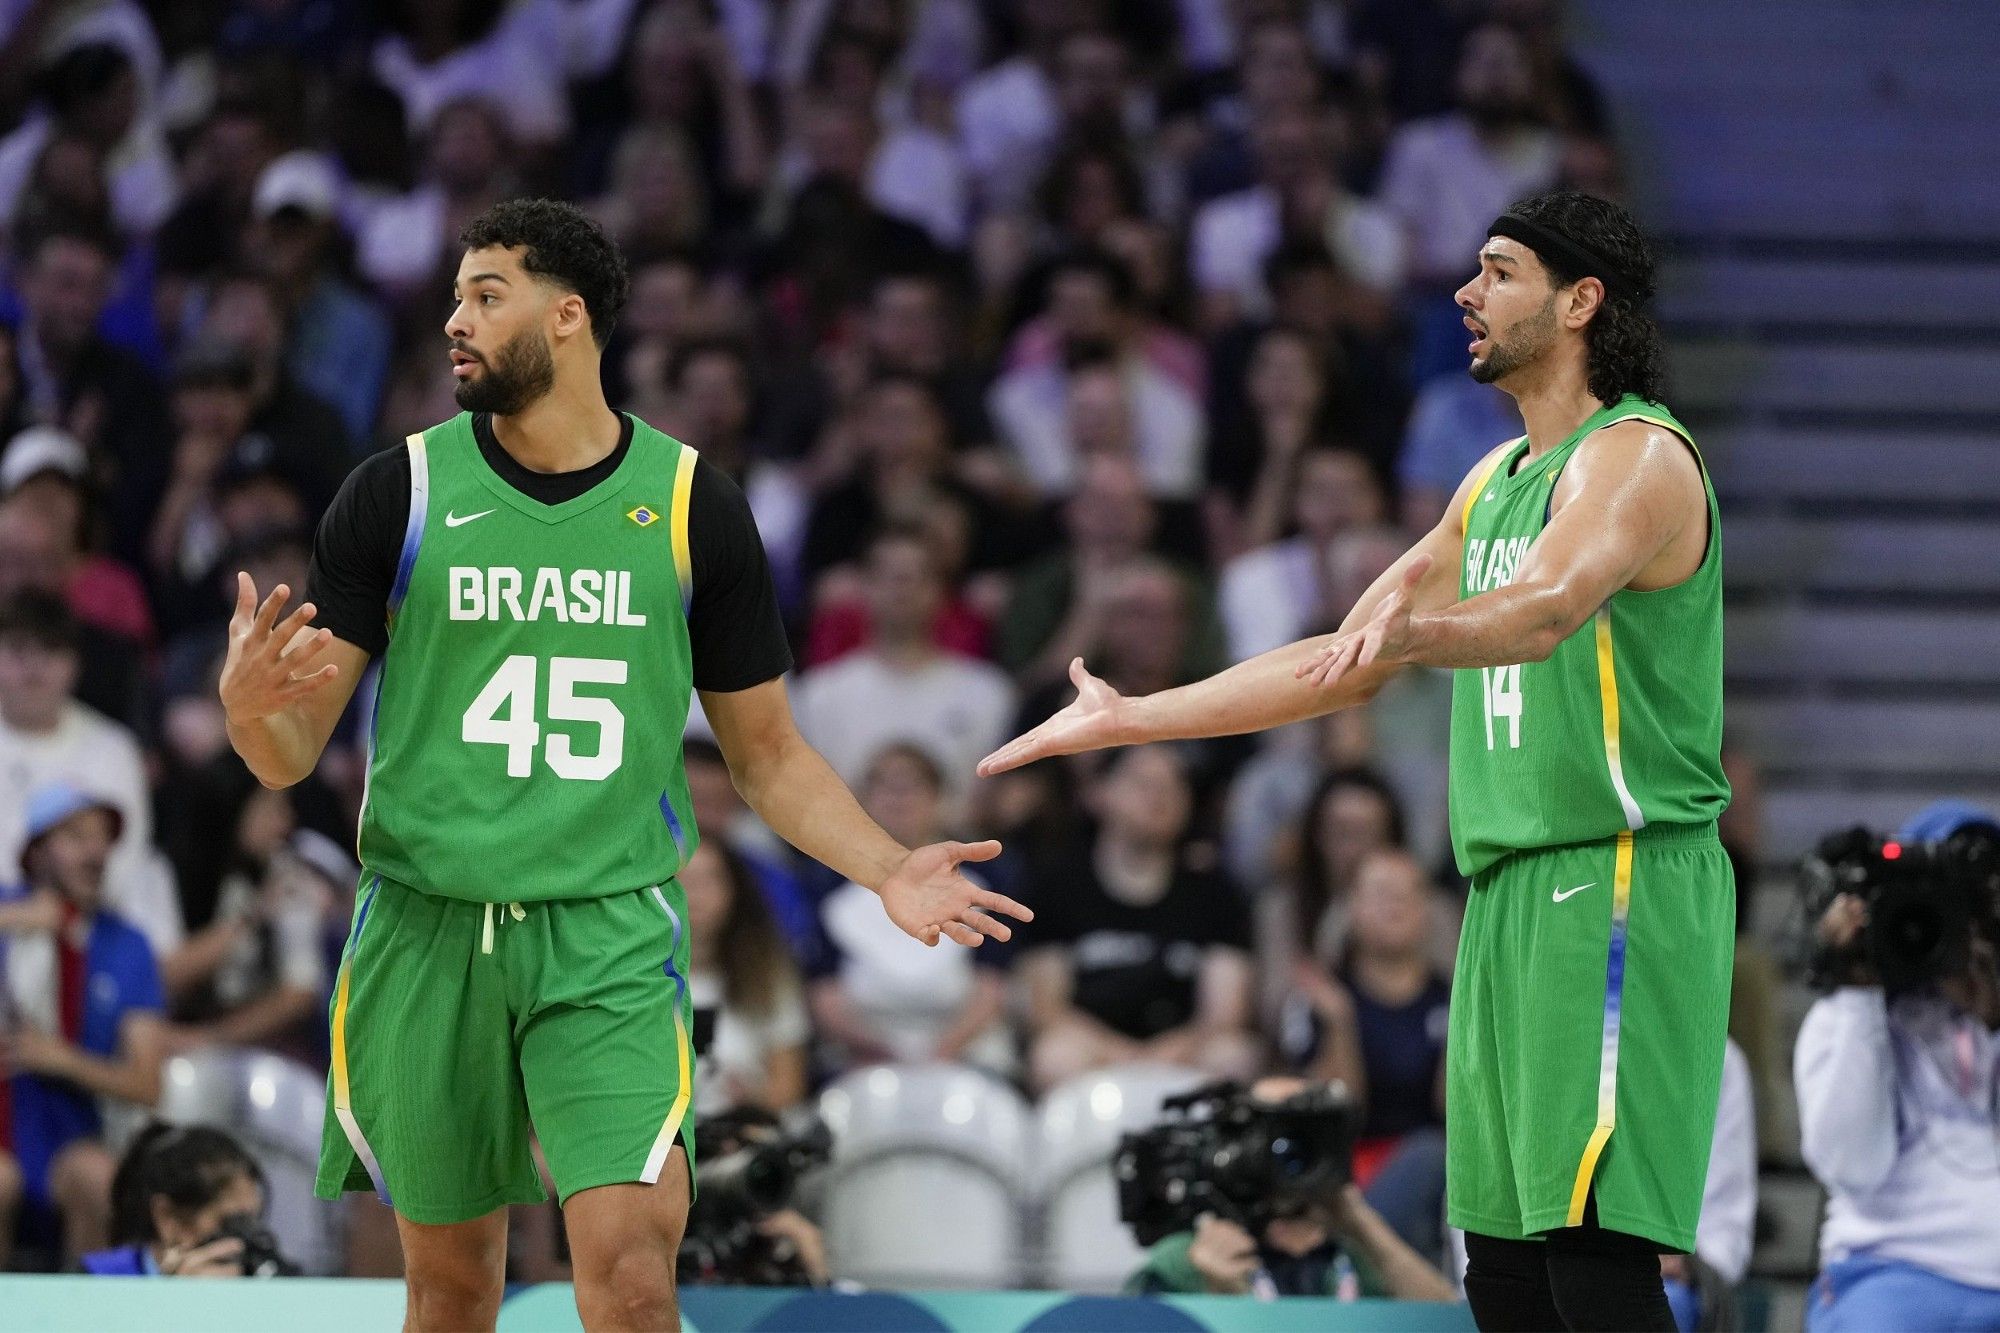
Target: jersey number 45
(503, 713)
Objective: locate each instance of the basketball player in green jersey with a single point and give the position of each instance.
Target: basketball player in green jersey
(1575, 586)
(547, 583)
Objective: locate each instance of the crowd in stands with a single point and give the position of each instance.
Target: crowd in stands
(1032, 329)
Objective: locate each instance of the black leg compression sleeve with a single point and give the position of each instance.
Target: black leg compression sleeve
(1507, 1285)
(1606, 1280)
(1584, 1279)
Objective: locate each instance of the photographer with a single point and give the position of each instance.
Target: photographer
(1337, 1246)
(743, 1228)
(188, 1203)
(1899, 1085)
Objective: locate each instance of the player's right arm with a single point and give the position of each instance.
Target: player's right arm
(1261, 693)
(286, 681)
(284, 684)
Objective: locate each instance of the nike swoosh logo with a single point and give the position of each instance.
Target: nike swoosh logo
(454, 520)
(1559, 894)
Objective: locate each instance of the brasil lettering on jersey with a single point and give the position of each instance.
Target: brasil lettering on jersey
(589, 597)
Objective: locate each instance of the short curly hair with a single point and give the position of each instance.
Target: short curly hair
(1626, 352)
(562, 244)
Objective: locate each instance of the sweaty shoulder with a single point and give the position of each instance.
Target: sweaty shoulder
(1645, 478)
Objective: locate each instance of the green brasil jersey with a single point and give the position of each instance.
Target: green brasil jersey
(526, 737)
(1622, 726)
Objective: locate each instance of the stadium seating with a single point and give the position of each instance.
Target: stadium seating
(1082, 1244)
(275, 1106)
(925, 1187)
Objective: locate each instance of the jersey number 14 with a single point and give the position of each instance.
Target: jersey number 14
(503, 713)
(1502, 688)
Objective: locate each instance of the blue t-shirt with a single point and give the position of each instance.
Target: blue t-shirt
(114, 976)
(1401, 1048)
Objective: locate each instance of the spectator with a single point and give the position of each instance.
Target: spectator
(1137, 951)
(1056, 608)
(174, 1192)
(873, 997)
(723, 818)
(1280, 592)
(86, 998)
(1899, 1118)
(1009, 115)
(230, 481)
(1339, 1247)
(669, 309)
(1289, 383)
(256, 974)
(246, 311)
(1449, 176)
(903, 444)
(1456, 422)
(1152, 631)
(1091, 185)
(74, 379)
(467, 170)
(1277, 71)
(47, 737)
(225, 159)
(46, 472)
(1377, 1022)
(712, 386)
(681, 71)
(441, 53)
(1351, 813)
(93, 93)
(1092, 319)
(337, 347)
(34, 553)
(749, 1005)
(657, 203)
(1299, 192)
(902, 687)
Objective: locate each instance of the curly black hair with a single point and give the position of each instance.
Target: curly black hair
(1626, 353)
(563, 245)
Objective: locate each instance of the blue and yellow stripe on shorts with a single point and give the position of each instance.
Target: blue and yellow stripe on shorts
(1621, 908)
(663, 1142)
(343, 1101)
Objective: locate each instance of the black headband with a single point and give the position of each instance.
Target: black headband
(1574, 255)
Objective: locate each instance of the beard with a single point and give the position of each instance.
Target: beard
(1525, 344)
(519, 374)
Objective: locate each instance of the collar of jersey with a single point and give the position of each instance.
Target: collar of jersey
(528, 504)
(1536, 467)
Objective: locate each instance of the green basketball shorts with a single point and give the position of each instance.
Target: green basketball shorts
(459, 1027)
(1588, 1016)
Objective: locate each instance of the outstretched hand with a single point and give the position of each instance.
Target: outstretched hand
(270, 665)
(1385, 636)
(927, 896)
(1091, 722)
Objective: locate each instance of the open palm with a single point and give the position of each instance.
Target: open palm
(1093, 721)
(929, 896)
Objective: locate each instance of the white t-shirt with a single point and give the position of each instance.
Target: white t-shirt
(1007, 118)
(1899, 1117)
(956, 709)
(908, 994)
(1232, 236)
(90, 751)
(1447, 187)
(740, 1043)
(1030, 409)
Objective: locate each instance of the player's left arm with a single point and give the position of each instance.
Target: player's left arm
(794, 790)
(1629, 510)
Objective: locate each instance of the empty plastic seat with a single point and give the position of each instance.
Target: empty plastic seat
(924, 1189)
(1083, 1246)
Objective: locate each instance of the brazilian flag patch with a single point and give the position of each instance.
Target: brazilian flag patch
(644, 516)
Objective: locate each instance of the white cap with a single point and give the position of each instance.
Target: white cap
(303, 180)
(41, 449)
